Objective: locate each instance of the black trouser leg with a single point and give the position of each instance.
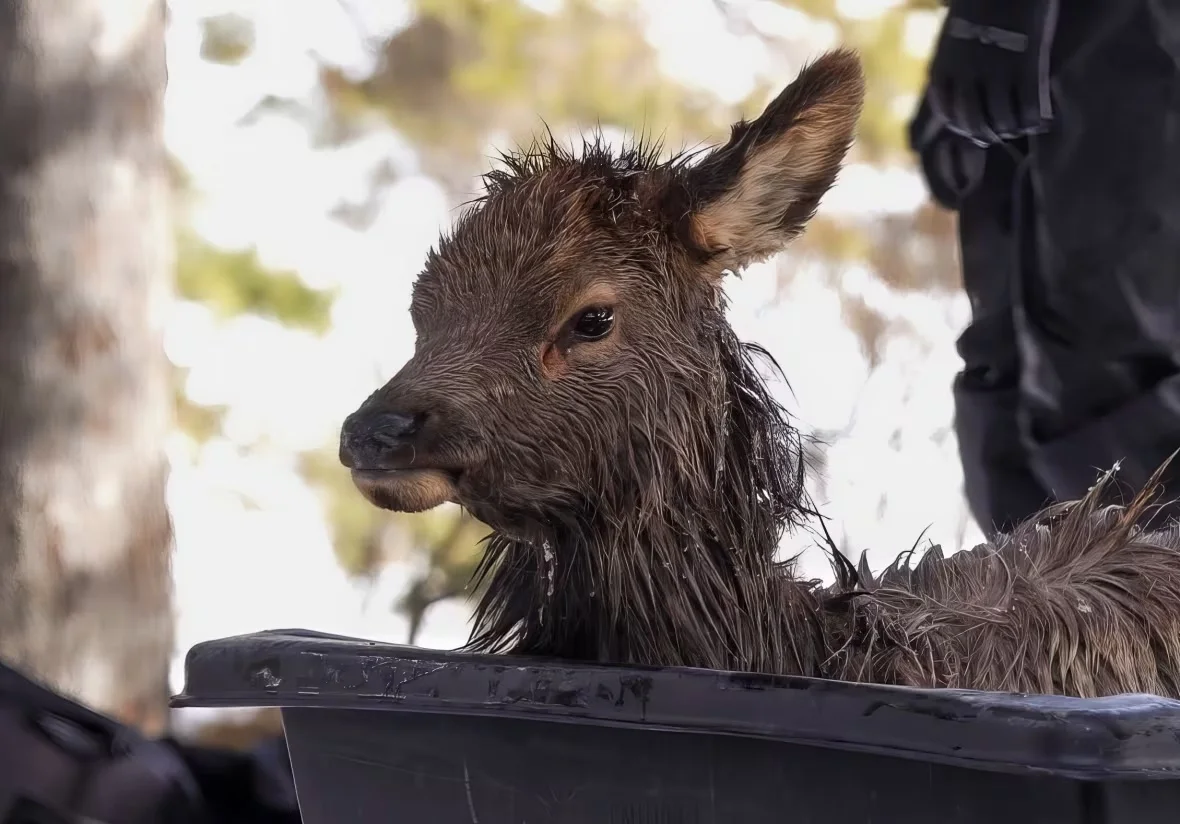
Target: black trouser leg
(1000, 485)
(1098, 314)
(1072, 358)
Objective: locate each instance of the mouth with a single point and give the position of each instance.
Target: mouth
(406, 490)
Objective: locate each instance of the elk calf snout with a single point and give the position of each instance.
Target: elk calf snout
(380, 441)
(390, 457)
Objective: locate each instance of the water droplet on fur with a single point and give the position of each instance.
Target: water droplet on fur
(547, 554)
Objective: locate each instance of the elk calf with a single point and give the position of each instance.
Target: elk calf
(576, 386)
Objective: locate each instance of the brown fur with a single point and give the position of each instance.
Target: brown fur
(638, 485)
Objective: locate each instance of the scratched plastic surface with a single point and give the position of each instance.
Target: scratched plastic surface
(389, 733)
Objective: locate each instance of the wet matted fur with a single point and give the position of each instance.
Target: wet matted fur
(576, 386)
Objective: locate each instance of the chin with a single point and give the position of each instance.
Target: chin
(408, 490)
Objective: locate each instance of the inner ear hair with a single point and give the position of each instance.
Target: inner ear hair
(750, 197)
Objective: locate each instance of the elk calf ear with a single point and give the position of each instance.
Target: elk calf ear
(748, 198)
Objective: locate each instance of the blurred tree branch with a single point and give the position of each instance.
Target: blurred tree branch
(233, 282)
(453, 560)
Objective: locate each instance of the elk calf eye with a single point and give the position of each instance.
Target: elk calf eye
(594, 324)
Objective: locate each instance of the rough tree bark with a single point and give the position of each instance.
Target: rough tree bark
(85, 269)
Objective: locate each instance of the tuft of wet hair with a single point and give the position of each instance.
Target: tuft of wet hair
(594, 158)
(1082, 599)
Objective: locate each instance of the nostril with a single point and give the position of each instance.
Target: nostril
(379, 440)
(394, 428)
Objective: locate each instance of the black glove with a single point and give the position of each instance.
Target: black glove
(952, 164)
(61, 763)
(989, 78)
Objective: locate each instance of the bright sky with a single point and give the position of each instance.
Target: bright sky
(253, 547)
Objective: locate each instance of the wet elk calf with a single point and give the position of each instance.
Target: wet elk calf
(575, 385)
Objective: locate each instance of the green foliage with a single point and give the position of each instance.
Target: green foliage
(452, 558)
(226, 38)
(232, 282)
(891, 75)
(449, 540)
(197, 421)
(464, 69)
(357, 525)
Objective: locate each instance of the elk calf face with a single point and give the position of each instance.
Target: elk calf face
(567, 330)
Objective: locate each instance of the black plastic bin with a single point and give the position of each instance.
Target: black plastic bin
(391, 734)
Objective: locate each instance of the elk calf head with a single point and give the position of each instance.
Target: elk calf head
(567, 357)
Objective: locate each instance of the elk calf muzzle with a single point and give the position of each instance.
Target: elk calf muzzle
(383, 450)
(379, 441)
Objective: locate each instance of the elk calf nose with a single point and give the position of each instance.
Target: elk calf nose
(378, 441)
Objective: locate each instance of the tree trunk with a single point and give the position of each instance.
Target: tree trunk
(85, 274)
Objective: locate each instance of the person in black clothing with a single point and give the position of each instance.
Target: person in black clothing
(61, 763)
(1053, 129)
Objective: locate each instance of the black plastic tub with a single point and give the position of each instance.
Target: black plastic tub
(391, 734)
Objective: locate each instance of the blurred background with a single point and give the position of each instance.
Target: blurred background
(316, 150)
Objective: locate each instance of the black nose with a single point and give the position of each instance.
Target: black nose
(382, 440)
